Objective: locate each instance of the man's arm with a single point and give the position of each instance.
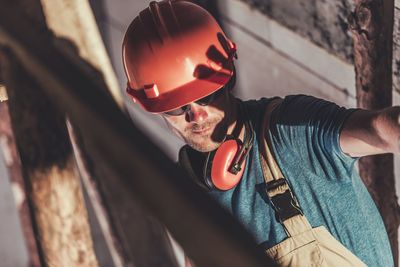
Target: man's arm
(371, 132)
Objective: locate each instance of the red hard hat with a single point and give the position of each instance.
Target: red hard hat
(175, 53)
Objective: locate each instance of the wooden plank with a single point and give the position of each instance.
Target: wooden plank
(60, 219)
(372, 27)
(13, 164)
(103, 215)
(3, 93)
(154, 249)
(73, 20)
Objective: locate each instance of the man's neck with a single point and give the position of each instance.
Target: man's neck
(236, 127)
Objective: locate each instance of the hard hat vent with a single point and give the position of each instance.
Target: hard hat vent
(164, 20)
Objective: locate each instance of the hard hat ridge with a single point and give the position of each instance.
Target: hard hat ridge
(164, 19)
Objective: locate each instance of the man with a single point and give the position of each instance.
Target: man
(179, 64)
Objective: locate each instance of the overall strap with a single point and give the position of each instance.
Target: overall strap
(287, 209)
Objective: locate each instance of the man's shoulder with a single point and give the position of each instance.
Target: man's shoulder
(286, 99)
(290, 107)
(299, 106)
(259, 102)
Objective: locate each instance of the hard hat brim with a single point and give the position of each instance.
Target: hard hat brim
(182, 95)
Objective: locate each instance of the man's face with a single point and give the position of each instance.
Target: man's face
(204, 127)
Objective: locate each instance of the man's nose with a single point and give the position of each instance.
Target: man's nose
(196, 113)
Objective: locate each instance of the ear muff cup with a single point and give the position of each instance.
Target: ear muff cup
(221, 177)
(222, 168)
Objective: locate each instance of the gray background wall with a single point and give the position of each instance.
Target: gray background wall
(323, 22)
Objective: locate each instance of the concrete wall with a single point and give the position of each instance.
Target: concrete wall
(274, 60)
(324, 22)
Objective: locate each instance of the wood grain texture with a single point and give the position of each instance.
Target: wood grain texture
(372, 27)
(13, 163)
(53, 186)
(74, 22)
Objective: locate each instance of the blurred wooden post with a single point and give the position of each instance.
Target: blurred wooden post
(13, 165)
(59, 212)
(3, 93)
(151, 246)
(372, 27)
(88, 176)
(73, 20)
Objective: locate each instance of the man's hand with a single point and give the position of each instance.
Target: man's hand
(371, 132)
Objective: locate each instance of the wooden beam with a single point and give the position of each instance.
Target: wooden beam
(372, 27)
(13, 164)
(73, 21)
(3, 92)
(53, 185)
(154, 249)
(209, 234)
(87, 172)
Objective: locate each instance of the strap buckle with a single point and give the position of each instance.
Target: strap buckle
(284, 204)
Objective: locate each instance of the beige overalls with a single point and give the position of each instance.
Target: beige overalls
(304, 245)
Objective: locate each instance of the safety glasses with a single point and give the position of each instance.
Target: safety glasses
(203, 102)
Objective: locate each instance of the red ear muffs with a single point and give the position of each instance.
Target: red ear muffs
(221, 176)
(224, 167)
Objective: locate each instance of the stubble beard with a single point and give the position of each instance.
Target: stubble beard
(203, 143)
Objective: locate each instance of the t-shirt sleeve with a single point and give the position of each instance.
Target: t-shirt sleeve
(315, 122)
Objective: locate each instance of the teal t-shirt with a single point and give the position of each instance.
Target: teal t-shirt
(305, 136)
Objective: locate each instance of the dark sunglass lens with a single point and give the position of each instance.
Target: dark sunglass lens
(177, 112)
(210, 98)
(205, 100)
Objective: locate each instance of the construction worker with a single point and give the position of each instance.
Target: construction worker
(283, 167)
